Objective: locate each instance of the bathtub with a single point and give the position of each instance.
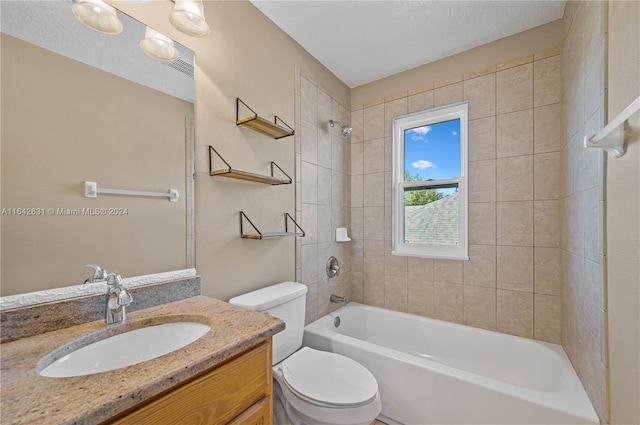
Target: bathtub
(435, 372)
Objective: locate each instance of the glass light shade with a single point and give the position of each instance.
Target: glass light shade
(188, 17)
(98, 15)
(158, 46)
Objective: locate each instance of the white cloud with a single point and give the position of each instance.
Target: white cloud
(419, 133)
(423, 164)
(455, 133)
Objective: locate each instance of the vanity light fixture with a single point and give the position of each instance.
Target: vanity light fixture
(98, 15)
(188, 17)
(158, 46)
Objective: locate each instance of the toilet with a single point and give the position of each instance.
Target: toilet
(311, 387)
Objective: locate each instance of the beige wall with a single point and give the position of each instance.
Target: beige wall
(55, 136)
(623, 212)
(583, 198)
(245, 56)
(528, 42)
(324, 193)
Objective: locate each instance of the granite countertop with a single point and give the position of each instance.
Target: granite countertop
(28, 398)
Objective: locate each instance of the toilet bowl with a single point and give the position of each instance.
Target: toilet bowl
(311, 387)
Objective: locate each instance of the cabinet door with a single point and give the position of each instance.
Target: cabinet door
(258, 414)
(215, 397)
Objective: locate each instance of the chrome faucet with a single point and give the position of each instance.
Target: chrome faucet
(118, 297)
(99, 275)
(338, 300)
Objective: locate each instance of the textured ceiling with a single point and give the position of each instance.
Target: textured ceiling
(363, 41)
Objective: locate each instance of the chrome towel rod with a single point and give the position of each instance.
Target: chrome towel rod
(91, 190)
(611, 137)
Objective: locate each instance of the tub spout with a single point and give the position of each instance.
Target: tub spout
(337, 299)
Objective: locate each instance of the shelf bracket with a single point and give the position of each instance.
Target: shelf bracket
(263, 235)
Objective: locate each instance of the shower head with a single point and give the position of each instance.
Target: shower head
(345, 131)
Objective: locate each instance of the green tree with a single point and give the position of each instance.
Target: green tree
(419, 197)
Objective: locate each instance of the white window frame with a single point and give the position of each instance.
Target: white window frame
(418, 119)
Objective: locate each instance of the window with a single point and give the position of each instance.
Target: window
(430, 183)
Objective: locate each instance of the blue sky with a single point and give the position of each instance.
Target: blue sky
(433, 151)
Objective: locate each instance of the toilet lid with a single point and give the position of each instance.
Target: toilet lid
(329, 378)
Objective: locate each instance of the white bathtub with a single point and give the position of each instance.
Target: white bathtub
(434, 372)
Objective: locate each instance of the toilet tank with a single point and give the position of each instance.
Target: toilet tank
(285, 301)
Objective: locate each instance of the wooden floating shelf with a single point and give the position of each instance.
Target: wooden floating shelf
(272, 235)
(262, 125)
(269, 235)
(232, 173)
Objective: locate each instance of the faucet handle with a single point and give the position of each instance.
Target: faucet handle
(99, 274)
(114, 278)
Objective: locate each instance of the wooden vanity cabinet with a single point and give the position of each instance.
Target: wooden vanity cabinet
(237, 392)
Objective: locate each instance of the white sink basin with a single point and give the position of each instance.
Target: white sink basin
(126, 349)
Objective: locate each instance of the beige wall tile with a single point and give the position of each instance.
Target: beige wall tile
(395, 265)
(388, 154)
(311, 301)
(373, 224)
(420, 296)
(546, 176)
(309, 143)
(309, 183)
(357, 191)
(546, 223)
(448, 302)
(482, 223)
(357, 158)
(515, 134)
(309, 222)
(357, 255)
(515, 223)
(547, 129)
(395, 293)
(373, 122)
(447, 271)
(515, 268)
(481, 94)
(448, 94)
(482, 139)
(480, 307)
(515, 89)
(309, 264)
(373, 155)
(339, 194)
(480, 72)
(547, 81)
(480, 270)
(420, 101)
(309, 99)
(421, 89)
(482, 181)
(396, 96)
(374, 289)
(325, 227)
(357, 123)
(594, 76)
(515, 178)
(420, 268)
(547, 318)
(547, 271)
(547, 53)
(515, 313)
(393, 109)
(448, 81)
(324, 186)
(374, 190)
(356, 287)
(516, 62)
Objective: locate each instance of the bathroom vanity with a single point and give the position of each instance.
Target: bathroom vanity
(223, 377)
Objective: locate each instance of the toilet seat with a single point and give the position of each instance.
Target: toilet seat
(328, 379)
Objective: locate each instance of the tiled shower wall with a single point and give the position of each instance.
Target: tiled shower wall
(323, 193)
(583, 199)
(511, 282)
